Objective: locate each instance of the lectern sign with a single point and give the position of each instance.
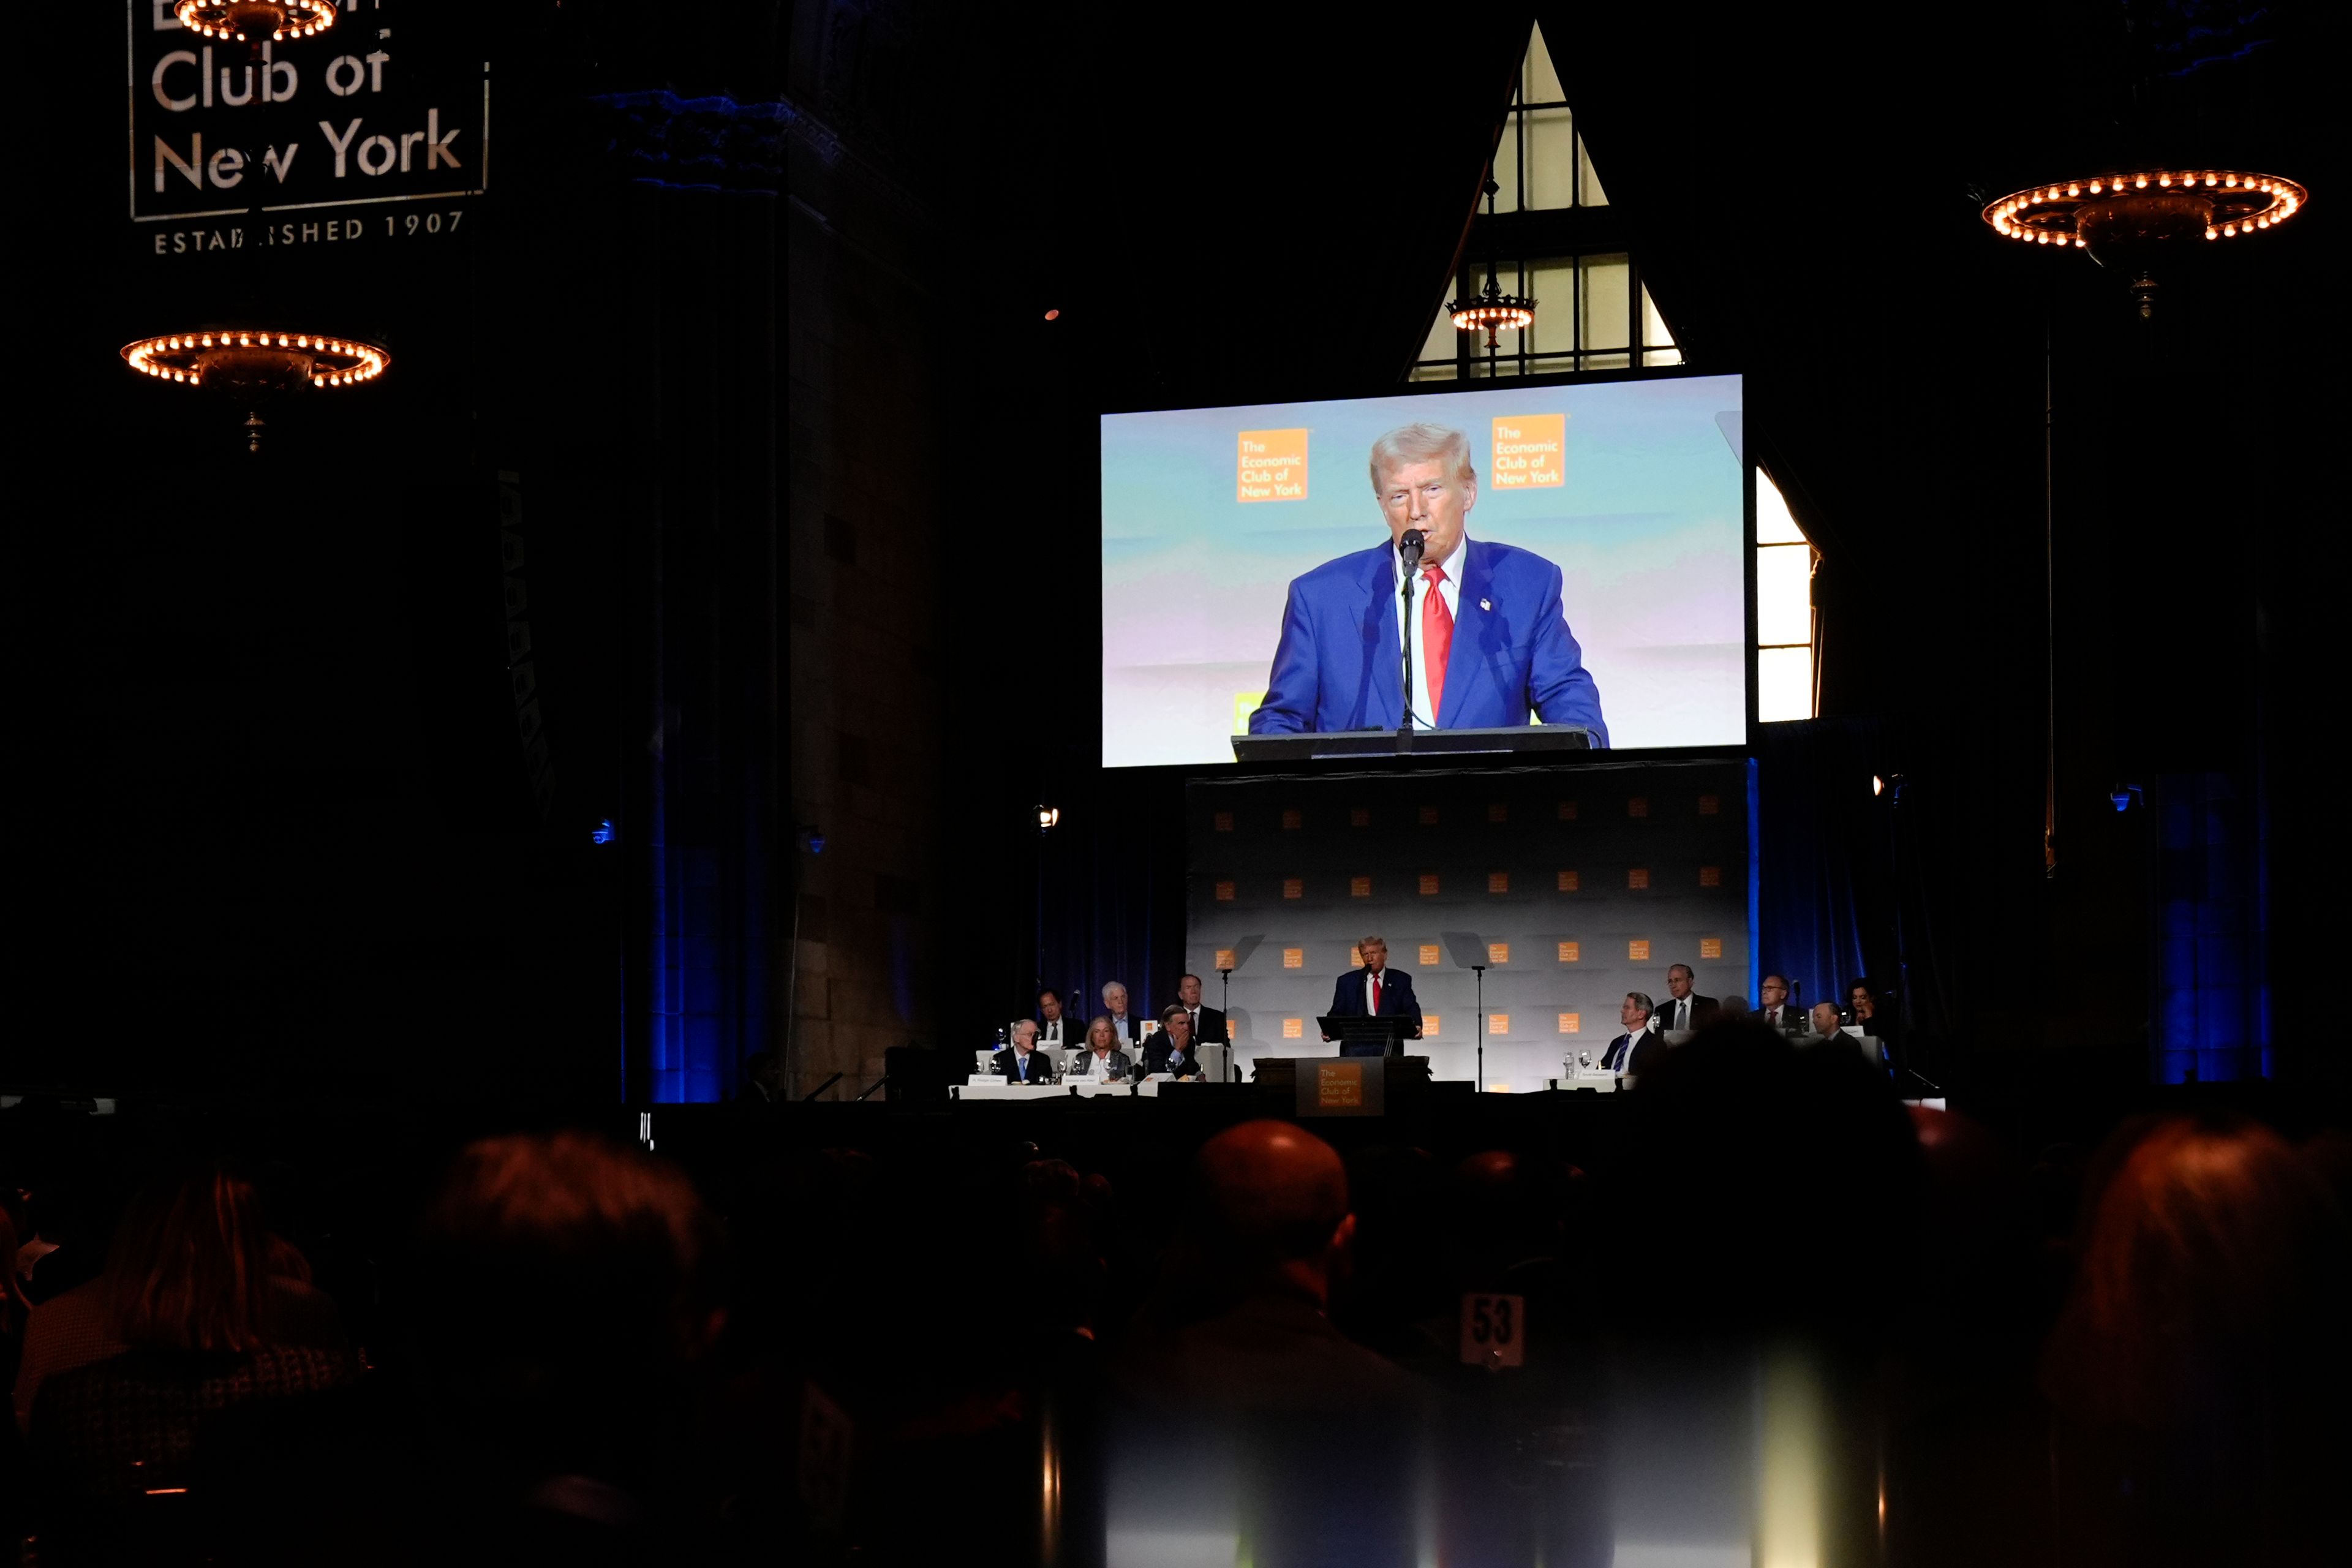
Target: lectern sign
(306, 140)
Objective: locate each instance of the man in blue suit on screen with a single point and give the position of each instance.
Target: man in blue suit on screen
(1490, 644)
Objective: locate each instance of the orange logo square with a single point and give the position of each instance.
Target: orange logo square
(1428, 956)
(1271, 466)
(1360, 817)
(1428, 816)
(1710, 875)
(1356, 956)
(1567, 811)
(1225, 892)
(1568, 881)
(1360, 887)
(1294, 958)
(1498, 1023)
(1290, 817)
(1498, 952)
(1570, 953)
(1338, 1084)
(1710, 947)
(1637, 951)
(1429, 1026)
(1499, 881)
(1709, 805)
(1429, 884)
(1498, 811)
(1529, 451)
(1293, 1029)
(1637, 878)
(1225, 958)
(1222, 822)
(1637, 806)
(1571, 1023)
(1294, 887)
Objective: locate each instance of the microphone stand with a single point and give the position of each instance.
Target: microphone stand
(1480, 970)
(1409, 550)
(1226, 977)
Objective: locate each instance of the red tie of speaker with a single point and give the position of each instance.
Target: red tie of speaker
(1436, 635)
(1376, 995)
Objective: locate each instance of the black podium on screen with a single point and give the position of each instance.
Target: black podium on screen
(1365, 1037)
(1367, 743)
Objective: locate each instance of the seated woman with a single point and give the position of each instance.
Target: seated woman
(1102, 1061)
(122, 1377)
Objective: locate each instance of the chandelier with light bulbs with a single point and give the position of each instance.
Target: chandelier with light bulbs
(2127, 219)
(255, 21)
(253, 364)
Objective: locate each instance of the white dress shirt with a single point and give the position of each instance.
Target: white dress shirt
(1425, 710)
(1677, 1011)
(1090, 1067)
(1052, 1033)
(1034, 1068)
(1124, 1026)
(1386, 984)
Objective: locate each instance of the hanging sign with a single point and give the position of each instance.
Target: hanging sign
(375, 131)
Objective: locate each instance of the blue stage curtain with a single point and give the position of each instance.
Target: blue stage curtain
(1822, 857)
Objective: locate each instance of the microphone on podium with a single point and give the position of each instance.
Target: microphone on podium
(1411, 544)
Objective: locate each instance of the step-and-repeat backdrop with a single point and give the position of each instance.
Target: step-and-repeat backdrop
(1572, 885)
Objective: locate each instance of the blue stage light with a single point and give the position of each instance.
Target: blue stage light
(603, 833)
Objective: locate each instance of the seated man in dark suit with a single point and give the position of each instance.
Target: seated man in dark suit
(1171, 1050)
(1681, 1011)
(1639, 1045)
(1777, 1010)
(1056, 1025)
(1376, 991)
(1826, 1022)
(1208, 1023)
(1022, 1061)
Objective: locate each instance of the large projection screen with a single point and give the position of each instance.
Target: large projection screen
(1235, 539)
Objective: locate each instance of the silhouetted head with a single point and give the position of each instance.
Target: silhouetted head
(190, 1265)
(1275, 1204)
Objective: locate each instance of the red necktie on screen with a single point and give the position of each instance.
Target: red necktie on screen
(1436, 635)
(1376, 995)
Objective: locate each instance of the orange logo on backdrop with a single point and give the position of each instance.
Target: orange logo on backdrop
(1225, 892)
(1567, 811)
(1498, 1023)
(1429, 1023)
(1498, 952)
(1710, 875)
(1290, 817)
(1339, 1083)
(1225, 958)
(1528, 451)
(1568, 881)
(1428, 816)
(1292, 1029)
(1637, 953)
(1222, 822)
(1295, 957)
(1499, 881)
(1356, 956)
(1499, 812)
(1428, 884)
(1360, 817)
(1708, 806)
(1570, 952)
(1360, 887)
(1271, 467)
(1637, 806)
(1428, 956)
(1637, 878)
(1294, 888)
(1710, 947)
(1571, 1023)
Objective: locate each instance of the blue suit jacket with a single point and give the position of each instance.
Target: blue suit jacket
(1397, 1000)
(1338, 663)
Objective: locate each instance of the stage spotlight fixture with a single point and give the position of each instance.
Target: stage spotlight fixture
(603, 833)
(253, 21)
(1493, 311)
(1878, 784)
(2124, 794)
(2127, 220)
(811, 839)
(250, 363)
(1054, 315)
(1048, 817)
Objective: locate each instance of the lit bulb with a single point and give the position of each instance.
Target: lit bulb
(2164, 179)
(2230, 229)
(2074, 189)
(2213, 233)
(2141, 182)
(2095, 187)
